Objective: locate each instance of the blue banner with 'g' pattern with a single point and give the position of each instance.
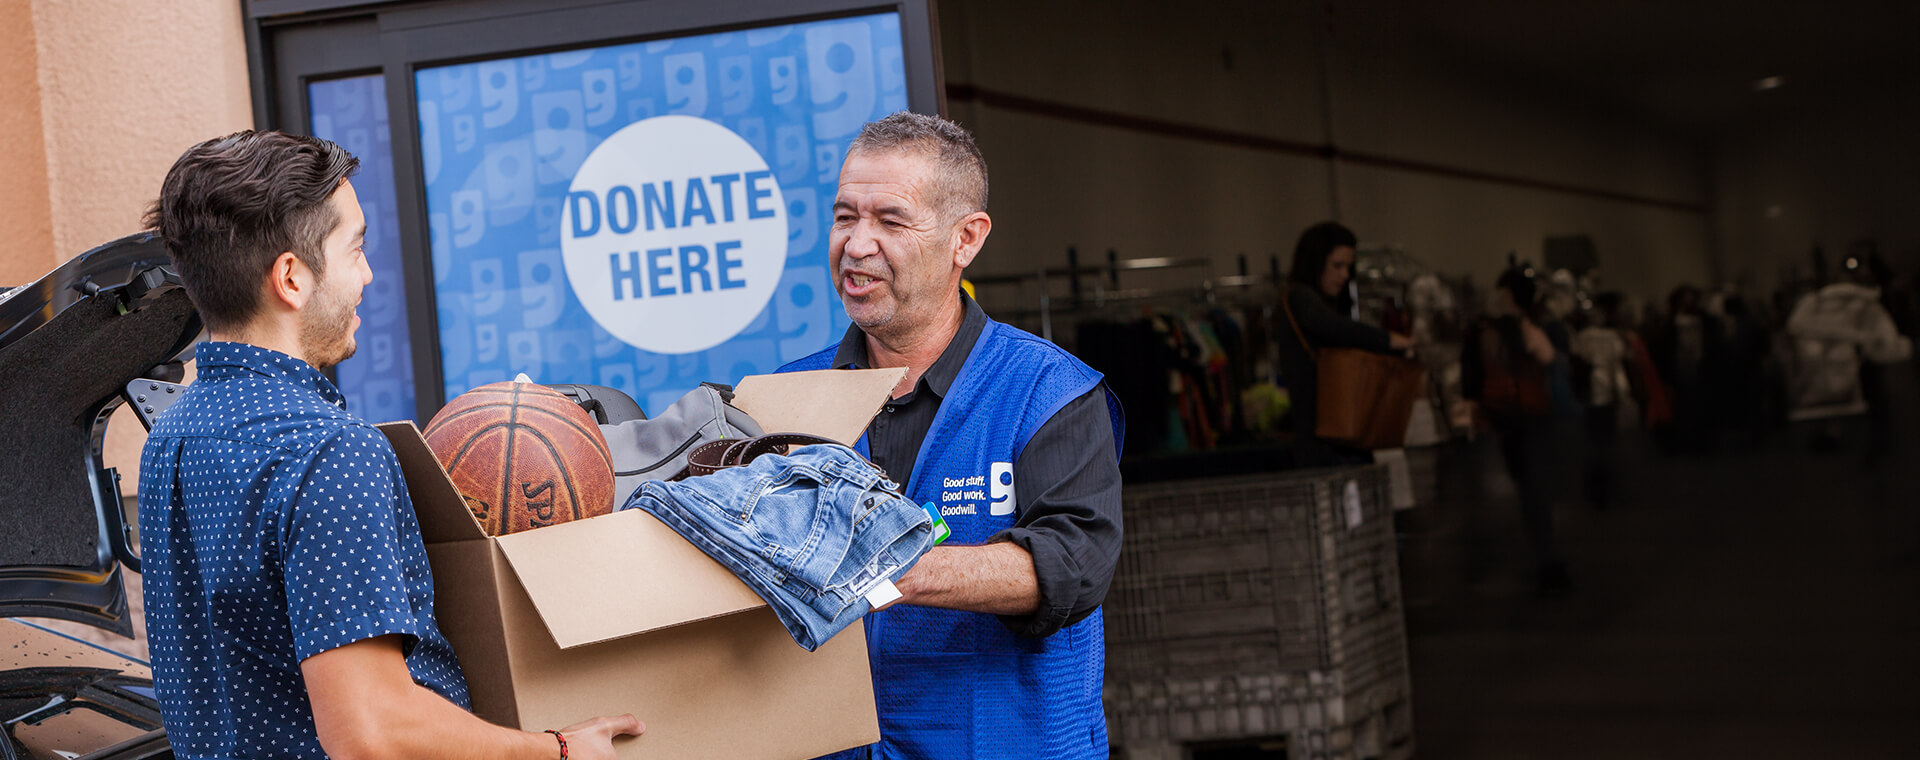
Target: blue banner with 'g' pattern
(503, 140)
(378, 379)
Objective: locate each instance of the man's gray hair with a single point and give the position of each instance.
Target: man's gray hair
(959, 186)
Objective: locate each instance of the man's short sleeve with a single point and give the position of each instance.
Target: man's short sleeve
(341, 547)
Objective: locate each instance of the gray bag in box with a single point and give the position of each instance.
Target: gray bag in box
(657, 449)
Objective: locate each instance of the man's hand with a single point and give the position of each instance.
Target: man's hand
(593, 739)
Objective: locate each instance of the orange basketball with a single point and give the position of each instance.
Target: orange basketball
(523, 456)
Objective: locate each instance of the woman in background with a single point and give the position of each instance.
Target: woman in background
(1318, 302)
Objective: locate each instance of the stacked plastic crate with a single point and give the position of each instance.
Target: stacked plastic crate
(1260, 607)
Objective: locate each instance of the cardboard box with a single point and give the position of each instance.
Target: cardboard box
(619, 614)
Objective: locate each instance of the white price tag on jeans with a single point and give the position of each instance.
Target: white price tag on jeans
(882, 594)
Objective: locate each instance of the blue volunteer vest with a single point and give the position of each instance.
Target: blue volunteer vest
(953, 684)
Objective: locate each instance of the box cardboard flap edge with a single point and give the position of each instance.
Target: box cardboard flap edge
(830, 403)
(627, 573)
(437, 504)
(619, 575)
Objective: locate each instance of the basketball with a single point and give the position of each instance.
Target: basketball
(523, 456)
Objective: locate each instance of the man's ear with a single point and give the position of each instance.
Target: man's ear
(970, 236)
(290, 282)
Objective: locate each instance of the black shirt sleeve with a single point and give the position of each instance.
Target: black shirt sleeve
(1067, 485)
(1326, 328)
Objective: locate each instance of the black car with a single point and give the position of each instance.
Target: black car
(107, 328)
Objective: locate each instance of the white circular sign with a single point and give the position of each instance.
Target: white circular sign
(674, 234)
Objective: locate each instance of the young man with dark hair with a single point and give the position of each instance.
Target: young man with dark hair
(997, 648)
(289, 601)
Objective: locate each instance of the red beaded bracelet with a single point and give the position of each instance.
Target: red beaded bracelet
(563, 743)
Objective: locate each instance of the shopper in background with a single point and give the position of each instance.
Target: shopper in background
(1844, 328)
(1599, 359)
(1684, 346)
(1508, 367)
(1317, 300)
(1742, 371)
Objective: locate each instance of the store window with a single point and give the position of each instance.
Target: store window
(585, 192)
(567, 245)
(378, 379)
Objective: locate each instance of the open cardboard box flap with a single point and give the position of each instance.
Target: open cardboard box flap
(437, 504)
(832, 404)
(627, 573)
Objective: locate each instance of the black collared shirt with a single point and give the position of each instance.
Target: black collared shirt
(1067, 482)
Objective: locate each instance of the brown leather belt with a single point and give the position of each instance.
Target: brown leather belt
(714, 456)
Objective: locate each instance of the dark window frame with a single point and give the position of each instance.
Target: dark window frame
(291, 43)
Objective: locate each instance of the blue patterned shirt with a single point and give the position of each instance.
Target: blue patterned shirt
(275, 526)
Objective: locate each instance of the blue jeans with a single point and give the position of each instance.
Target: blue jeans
(810, 532)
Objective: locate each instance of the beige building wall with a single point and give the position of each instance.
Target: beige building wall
(23, 196)
(126, 86)
(97, 100)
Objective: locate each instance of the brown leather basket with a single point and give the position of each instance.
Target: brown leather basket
(1365, 399)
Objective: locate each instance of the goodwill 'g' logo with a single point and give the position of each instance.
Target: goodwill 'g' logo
(674, 234)
(1000, 488)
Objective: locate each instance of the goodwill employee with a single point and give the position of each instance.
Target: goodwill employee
(996, 649)
(289, 602)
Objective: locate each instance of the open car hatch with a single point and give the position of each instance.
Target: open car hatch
(70, 344)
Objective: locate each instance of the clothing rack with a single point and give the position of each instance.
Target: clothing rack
(1188, 349)
(1105, 287)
